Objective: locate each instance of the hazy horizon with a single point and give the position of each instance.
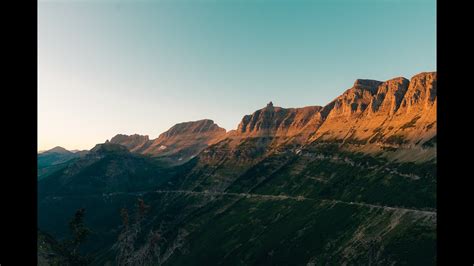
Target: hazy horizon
(117, 67)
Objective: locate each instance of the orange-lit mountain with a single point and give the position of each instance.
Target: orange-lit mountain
(185, 140)
(178, 144)
(395, 118)
(274, 121)
(390, 117)
(134, 143)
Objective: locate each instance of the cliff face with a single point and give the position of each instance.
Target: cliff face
(276, 122)
(134, 143)
(395, 118)
(178, 144)
(360, 104)
(396, 114)
(261, 132)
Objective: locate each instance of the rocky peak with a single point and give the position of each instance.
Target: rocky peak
(108, 148)
(389, 96)
(121, 137)
(133, 142)
(276, 121)
(185, 140)
(194, 127)
(354, 100)
(370, 96)
(262, 119)
(397, 113)
(57, 149)
(422, 91)
(368, 84)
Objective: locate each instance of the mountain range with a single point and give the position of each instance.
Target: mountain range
(351, 182)
(381, 118)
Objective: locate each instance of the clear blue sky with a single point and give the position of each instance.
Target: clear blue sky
(108, 67)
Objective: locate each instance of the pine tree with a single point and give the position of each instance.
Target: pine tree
(79, 233)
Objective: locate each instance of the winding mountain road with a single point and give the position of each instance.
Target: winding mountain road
(430, 212)
(274, 197)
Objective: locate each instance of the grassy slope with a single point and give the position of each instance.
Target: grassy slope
(344, 177)
(230, 230)
(204, 229)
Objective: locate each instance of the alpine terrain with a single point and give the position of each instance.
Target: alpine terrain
(349, 183)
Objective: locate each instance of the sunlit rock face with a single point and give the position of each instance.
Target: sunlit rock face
(178, 144)
(380, 116)
(134, 143)
(383, 117)
(274, 121)
(186, 139)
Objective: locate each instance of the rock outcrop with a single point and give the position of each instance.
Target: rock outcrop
(134, 143)
(185, 140)
(396, 114)
(178, 144)
(274, 121)
(58, 150)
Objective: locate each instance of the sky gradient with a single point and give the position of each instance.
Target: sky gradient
(107, 67)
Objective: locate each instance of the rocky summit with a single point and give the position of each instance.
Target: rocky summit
(179, 144)
(385, 118)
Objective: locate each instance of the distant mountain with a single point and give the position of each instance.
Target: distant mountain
(58, 150)
(134, 143)
(107, 167)
(349, 183)
(54, 159)
(80, 152)
(178, 144)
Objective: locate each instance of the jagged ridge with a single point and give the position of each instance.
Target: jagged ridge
(372, 116)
